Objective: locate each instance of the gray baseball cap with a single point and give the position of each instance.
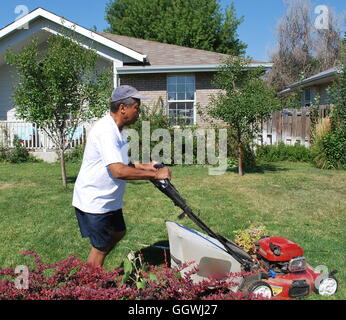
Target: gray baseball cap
(124, 92)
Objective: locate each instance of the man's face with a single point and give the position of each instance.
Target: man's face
(132, 113)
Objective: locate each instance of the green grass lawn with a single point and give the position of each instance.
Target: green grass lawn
(297, 201)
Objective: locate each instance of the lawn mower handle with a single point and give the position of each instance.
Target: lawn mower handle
(166, 187)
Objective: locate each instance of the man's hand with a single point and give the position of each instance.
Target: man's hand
(162, 174)
(146, 166)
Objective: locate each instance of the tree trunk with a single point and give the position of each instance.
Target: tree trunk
(240, 159)
(63, 168)
(240, 152)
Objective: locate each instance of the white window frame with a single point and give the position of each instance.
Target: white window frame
(183, 101)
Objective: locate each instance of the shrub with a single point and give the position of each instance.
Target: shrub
(329, 146)
(329, 151)
(18, 154)
(282, 152)
(72, 279)
(247, 238)
(3, 153)
(158, 119)
(75, 155)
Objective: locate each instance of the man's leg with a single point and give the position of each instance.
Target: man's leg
(97, 255)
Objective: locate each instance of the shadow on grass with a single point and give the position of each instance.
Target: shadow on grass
(261, 168)
(156, 254)
(71, 179)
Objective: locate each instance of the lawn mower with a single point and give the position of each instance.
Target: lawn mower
(277, 271)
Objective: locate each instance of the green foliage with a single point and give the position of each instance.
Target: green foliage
(249, 159)
(282, 152)
(3, 153)
(293, 100)
(156, 114)
(199, 24)
(18, 154)
(137, 271)
(55, 86)
(59, 87)
(329, 152)
(157, 119)
(338, 92)
(247, 238)
(245, 101)
(75, 155)
(184, 144)
(232, 163)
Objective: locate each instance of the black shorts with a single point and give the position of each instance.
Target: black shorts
(100, 228)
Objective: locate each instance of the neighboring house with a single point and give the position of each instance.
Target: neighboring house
(314, 86)
(294, 126)
(179, 76)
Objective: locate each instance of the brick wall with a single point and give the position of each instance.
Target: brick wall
(204, 89)
(154, 86)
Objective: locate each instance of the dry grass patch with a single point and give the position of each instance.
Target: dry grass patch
(5, 186)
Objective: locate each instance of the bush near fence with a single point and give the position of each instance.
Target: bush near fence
(282, 152)
(17, 154)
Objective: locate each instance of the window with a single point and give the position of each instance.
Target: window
(181, 99)
(307, 97)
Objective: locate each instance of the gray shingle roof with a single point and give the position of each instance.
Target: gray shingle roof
(327, 75)
(163, 54)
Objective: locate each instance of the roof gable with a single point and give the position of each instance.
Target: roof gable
(94, 36)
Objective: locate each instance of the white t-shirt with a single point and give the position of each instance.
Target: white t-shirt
(96, 190)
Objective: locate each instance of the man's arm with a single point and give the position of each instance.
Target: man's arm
(121, 171)
(146, 166)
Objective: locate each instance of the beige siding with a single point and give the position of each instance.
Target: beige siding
(7, 78)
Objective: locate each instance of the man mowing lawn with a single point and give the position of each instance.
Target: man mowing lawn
(100, 185)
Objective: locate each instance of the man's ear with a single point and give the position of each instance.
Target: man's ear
(122, 108)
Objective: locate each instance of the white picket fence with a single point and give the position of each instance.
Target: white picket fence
(34, 138)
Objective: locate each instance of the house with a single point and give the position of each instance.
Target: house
(314, 86)
(180, 77)
(294, 125)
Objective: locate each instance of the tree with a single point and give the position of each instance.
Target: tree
(197, 24)
(59, 88)
(302, 50)
(243, 102)
(293, 58)
(338, 92)
(329, 135)
(327, 43)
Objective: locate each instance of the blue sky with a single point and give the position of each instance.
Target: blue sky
(257, 30)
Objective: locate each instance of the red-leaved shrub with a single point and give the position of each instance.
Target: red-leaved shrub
(72, 279)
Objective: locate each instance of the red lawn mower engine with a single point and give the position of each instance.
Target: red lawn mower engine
(285, 272)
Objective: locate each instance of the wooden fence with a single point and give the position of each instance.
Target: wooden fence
(290, 126)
